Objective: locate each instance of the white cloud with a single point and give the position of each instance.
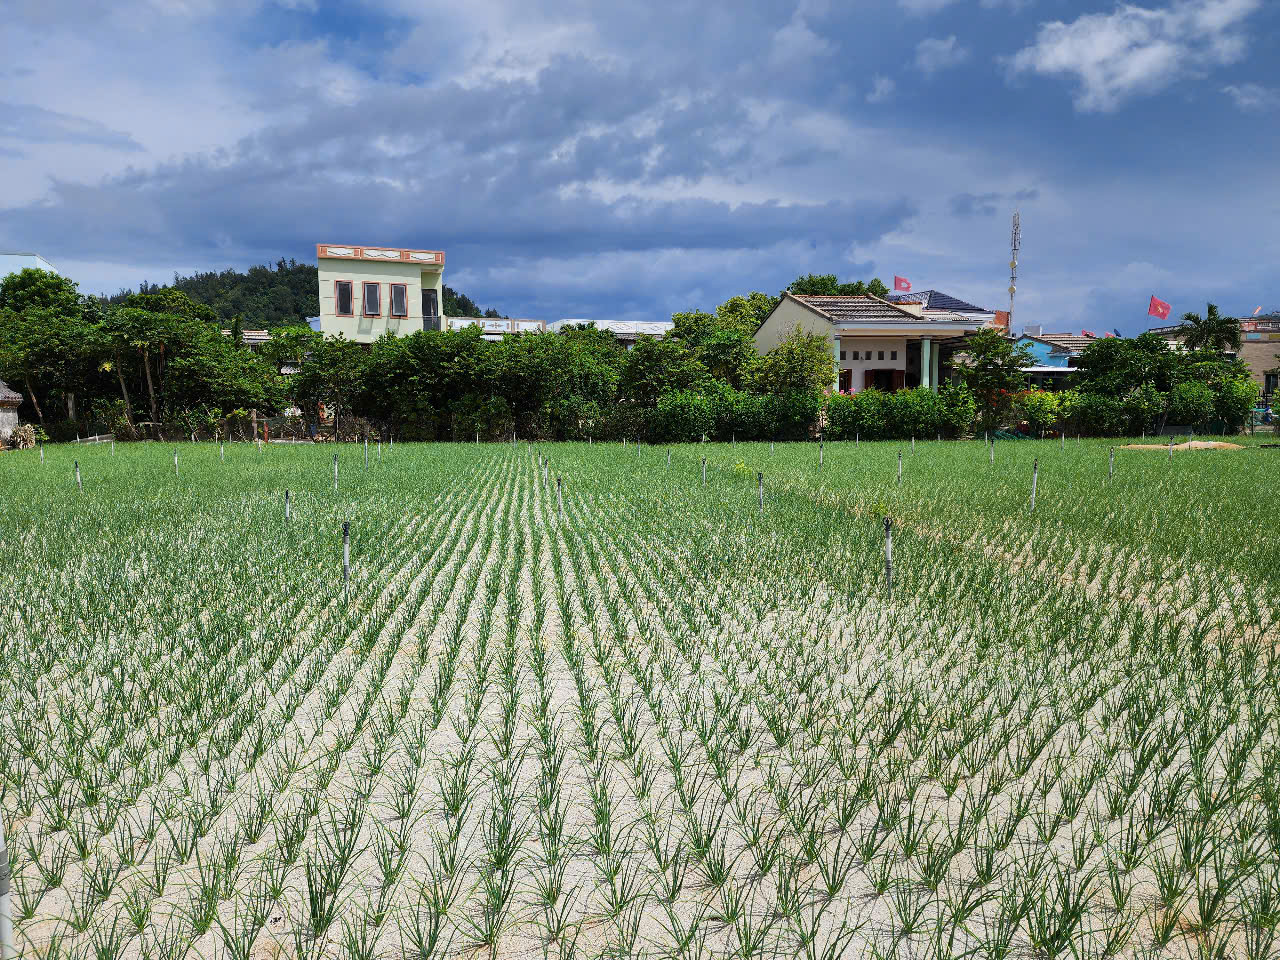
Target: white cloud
(935, 53)
(881, 89)
(1136, 50)
(1253, 96)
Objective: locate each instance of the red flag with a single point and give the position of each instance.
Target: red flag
(1088, 333)
(1158, 308)
(902, 283)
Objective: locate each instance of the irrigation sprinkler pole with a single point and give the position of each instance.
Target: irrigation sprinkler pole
(913, 444)
(335, 472)
(222, 452)
(346, 554)
(1171, 449)
(704, 471)
(42, 454)
(1035, 476)
(668, 458)
(991, 449)
(899, 468)
(366, 453)
(113, 447)
(560, 497)
(79, 485)
(1111, 467)
(7, 951)
(760, 488)
(888, 556)
(175, 463)
(287, 512)
(821, 444)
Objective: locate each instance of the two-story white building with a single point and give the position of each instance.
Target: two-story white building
(366, 292)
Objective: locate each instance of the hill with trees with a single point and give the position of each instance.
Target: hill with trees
(266, 297)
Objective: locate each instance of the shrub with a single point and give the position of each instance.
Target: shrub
(959, 407)
(682, 416)
(791, 416)
(1191, 403)
(1039, 408)
(1234, 401)
(1100, 414)
(861, 414)
(1143, 409)
(915, 413)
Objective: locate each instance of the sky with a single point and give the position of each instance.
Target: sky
(625, 160)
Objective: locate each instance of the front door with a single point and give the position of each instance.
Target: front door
(846, 381)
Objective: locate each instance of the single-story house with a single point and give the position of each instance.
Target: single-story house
(1055, 355)
(874, 343)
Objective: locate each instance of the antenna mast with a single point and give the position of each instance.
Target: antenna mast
(1015, 244)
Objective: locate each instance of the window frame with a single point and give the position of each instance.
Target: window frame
(404, 288)
(893, 354)
(364, 298)
(881, 355)
(337, 302)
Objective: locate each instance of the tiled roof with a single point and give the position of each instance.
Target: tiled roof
(1069, 341)
(937, 300)
(854, 309)
(8, 397)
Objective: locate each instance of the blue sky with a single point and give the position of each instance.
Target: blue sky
(626, 160)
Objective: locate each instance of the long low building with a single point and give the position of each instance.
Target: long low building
(874, 343)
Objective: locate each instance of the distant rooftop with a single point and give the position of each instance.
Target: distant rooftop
(14, 261)
(934, 300)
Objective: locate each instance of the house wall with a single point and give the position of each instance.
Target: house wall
(1261, 351)
(785, 318)
(1044, 353)
(367, 329)
(8, 421)
(856, 348)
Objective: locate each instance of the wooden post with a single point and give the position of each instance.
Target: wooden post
(888, 556)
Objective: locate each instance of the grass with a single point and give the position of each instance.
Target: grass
(659, 720)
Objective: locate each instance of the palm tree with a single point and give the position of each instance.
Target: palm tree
(1211, 332)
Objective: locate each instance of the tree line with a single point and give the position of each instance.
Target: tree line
(158, 356)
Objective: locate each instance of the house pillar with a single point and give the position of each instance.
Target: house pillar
(835, 363)
(933, 374)
(926, 361)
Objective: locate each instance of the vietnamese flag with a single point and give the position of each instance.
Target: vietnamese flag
(902, 283)
(1158, 308)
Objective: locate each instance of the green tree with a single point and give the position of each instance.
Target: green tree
(991, 367)
(745, 314)
(1117, 366)
(1211, 332)
(655, 366)
(334, 373)
(800, 364)
(828, 285)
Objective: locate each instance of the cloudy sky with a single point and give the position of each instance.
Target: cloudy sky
(627, 159)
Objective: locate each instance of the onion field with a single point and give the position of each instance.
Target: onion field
(615, 701)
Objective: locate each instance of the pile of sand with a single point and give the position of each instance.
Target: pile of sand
(1189, 445)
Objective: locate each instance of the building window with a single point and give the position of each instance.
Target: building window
(399, 300)
(372, 299)
(866, 355)
(893, 354)
(342, 298)
(881, 357)
(842, 355)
